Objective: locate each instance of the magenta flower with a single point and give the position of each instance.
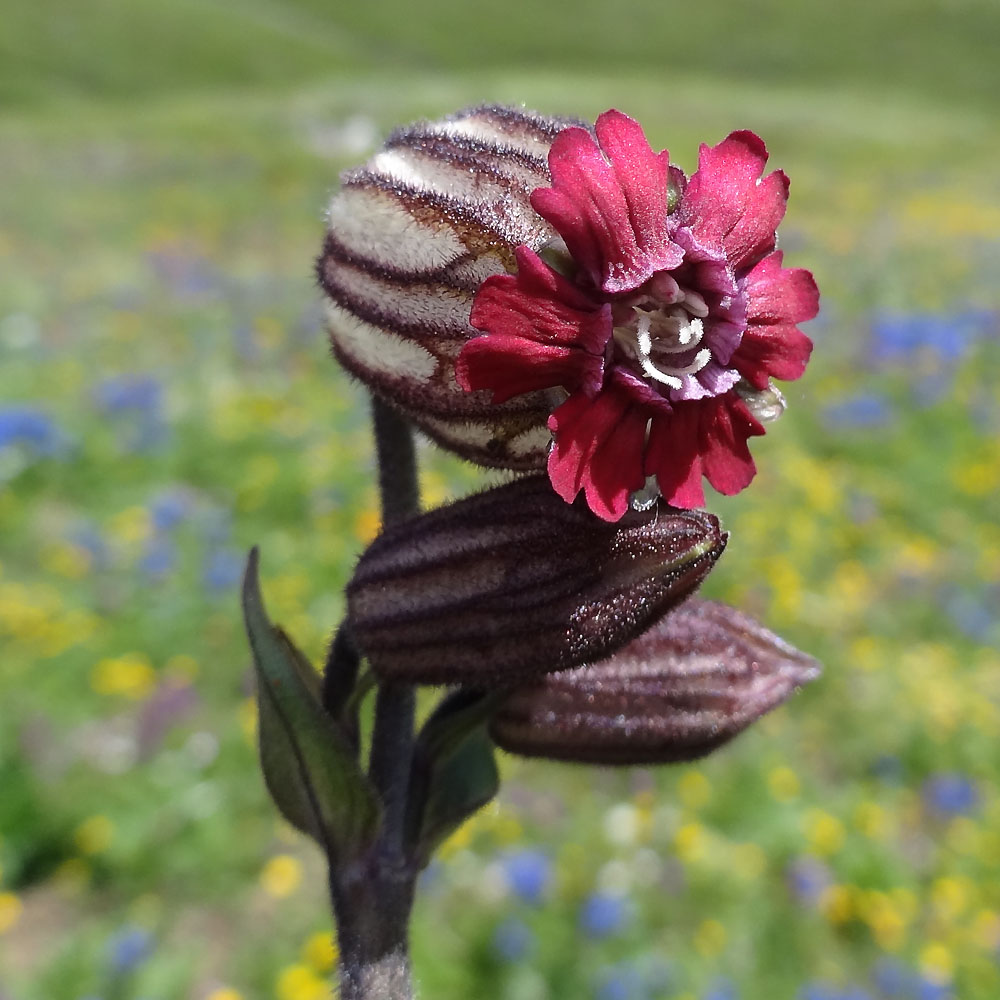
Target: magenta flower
(663, 312)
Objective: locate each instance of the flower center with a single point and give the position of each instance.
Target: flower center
(664, 339)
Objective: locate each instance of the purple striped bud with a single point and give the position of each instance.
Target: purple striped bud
(412, 235)
(512, 583)
(696, 679)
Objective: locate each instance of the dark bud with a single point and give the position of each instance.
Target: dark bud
(513, 583)
(696, 679)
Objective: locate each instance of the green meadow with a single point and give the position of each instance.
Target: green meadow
(167, 400)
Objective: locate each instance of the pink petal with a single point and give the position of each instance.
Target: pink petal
(616, 466)
(672, 456)
(727, 203)
(705, 437)
(726, 424)
(598, 448)
(541, 332)
(512, 366)
(777, 299)
(610, 207)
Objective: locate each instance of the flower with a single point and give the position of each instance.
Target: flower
(603, 914)
(528, 872)
(660, 313)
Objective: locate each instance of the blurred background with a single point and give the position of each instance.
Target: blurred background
(167, 399)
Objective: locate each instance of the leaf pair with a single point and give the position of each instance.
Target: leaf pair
(309, 758)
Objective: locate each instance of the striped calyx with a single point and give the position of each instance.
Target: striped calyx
(696, 679)
(513, 583)
(412, 235)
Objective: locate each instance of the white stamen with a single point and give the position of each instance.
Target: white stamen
(701, 359)
(645, 346)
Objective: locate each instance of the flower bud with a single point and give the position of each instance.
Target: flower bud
(412, 235)
(696, 679)
(513, 583)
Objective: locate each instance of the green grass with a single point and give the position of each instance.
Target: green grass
(165, 169)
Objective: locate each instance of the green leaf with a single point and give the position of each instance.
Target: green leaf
(454, 770)
(309, 767)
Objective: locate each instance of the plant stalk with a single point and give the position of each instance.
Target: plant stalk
(373, 896)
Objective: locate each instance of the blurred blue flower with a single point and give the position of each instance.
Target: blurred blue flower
(89, 538)
(513, 940)
(139, 398)
(900, 336)
(721, 989)
(159, 558)
(893, 979)
(528, 873)
(952, 794)
(973, 614)
(223, 568)
(604, 913)
(818, 991)
(929, 990)
(169, 508)
(30, 427)
(865, 409)
(122, 393)
(807, 878)
(621, 982)
(855, 993)
(128, 949)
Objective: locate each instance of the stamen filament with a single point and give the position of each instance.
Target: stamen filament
(692, 333)
(646, 362)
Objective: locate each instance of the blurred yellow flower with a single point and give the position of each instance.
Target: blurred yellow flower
(320, 951)
(951, 897)
(299, 982)
(225, 993)
(836, 904)
(67, 560)
(825, 832)
(870, 819)
(783, 784)
(94, 834)
(182, 666)
(694, 789)
(367, 525)
(131, 525)
(10, 911)
(887, 923)
(130, 674)
(710, 938)
(986, 930)
(691, 842)
(281, 876)
(247, 713)
(936, 962)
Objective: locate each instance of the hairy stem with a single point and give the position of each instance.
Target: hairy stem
(373, 896)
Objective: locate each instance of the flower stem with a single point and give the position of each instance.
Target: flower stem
(373, 896)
